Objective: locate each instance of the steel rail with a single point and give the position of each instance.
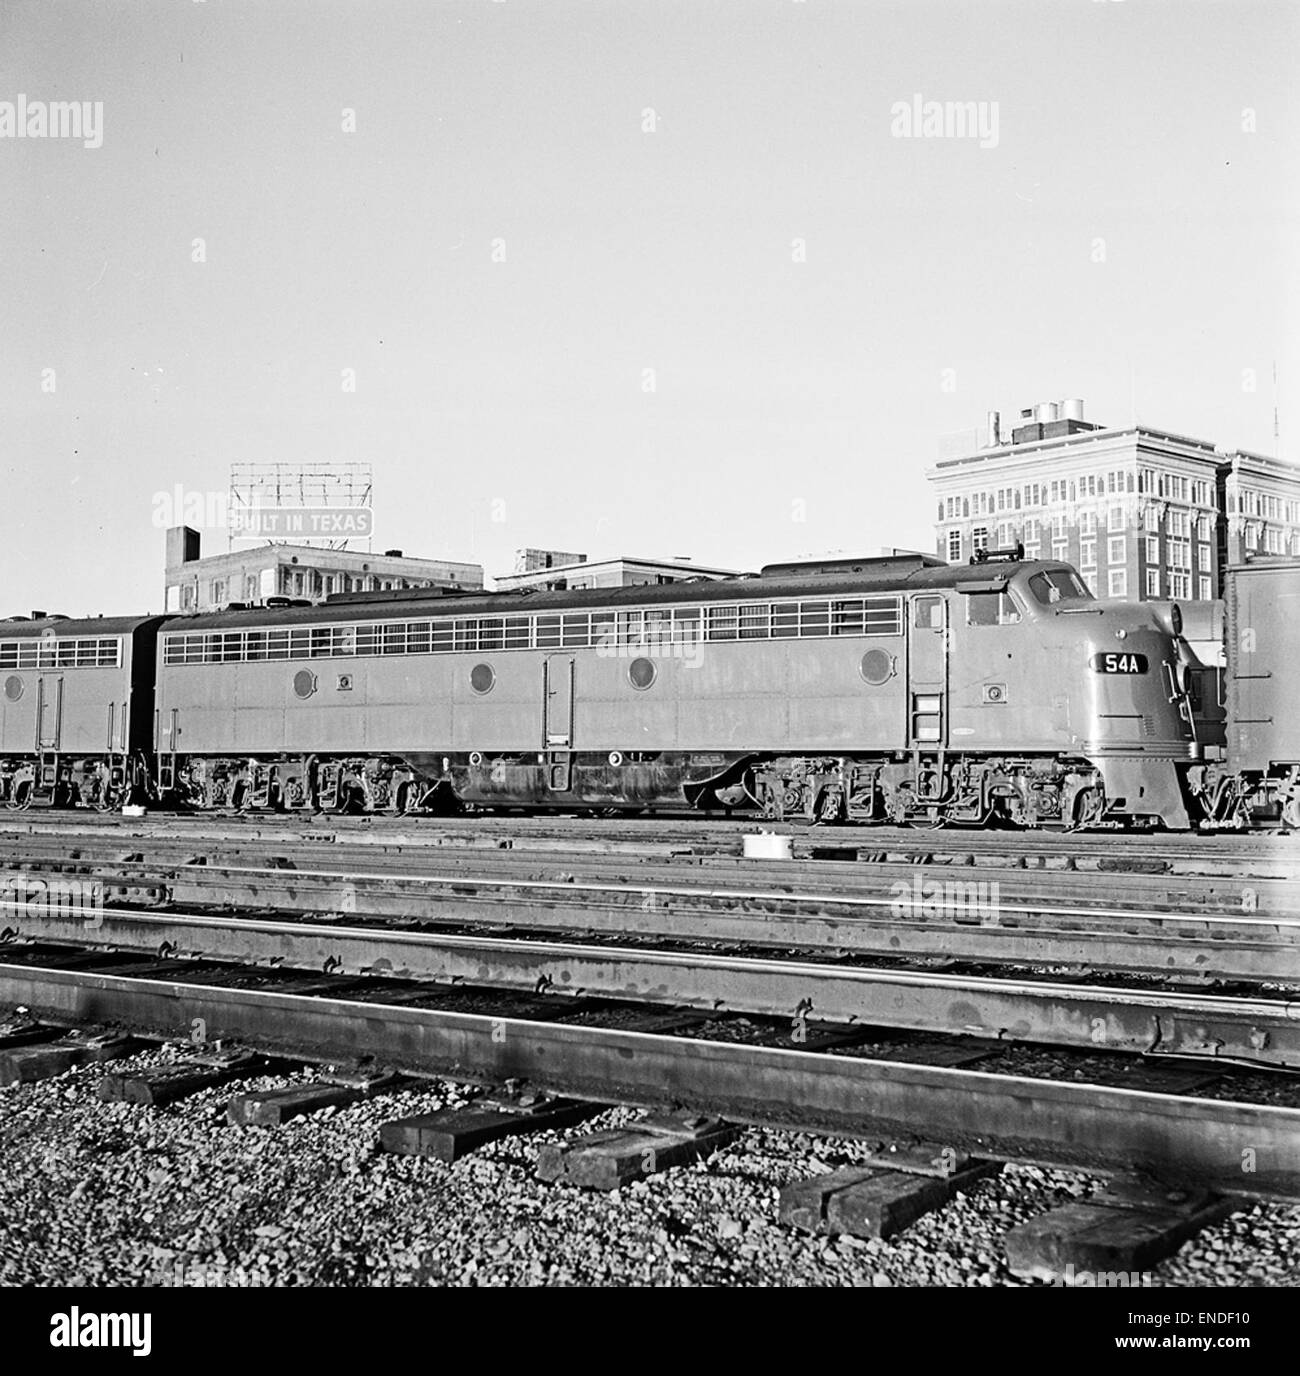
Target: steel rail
(643, 832)
(914, 896)
(1164, 944)
(1234, 1148)
(1260, 1030)
(685, 822)
(1228, 894)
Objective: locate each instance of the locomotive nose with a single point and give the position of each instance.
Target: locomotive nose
(1135, 713)
(1122, 620)
(1170, 614)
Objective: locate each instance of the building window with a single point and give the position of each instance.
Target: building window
(1117, 585)
(1115, 549)
(218, 591)
(1087, 523)
(979, 538)
(1180, 585)
(1088, 553)
(1153, 549)
(1115, 517)
(1205, 592)
(1179, 554)
(1153, 582)
(1060, 550)
(1178, 524)
(954, 547)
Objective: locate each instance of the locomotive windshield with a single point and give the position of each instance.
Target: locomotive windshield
(1058, 585)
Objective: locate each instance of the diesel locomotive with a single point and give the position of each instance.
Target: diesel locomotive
(900, 689)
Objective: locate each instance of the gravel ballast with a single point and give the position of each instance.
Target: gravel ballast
(105, 1194)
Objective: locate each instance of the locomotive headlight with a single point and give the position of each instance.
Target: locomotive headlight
(1176, 618)
(1121, 633)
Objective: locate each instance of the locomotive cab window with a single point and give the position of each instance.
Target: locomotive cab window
(1058, 585)
(991, 609)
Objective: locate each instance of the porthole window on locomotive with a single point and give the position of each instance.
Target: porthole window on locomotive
(877, 667)
(641, 673)
(304, 683)
(481, 678)
(13, 687)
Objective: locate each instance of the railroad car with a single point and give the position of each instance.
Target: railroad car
(1257, 782)
(76, 702)
(899, 689)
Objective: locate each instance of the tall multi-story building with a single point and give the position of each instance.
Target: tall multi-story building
(1140, 513)
(193, 583)
(1261, 505)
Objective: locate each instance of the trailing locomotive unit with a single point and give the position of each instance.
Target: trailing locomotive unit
(76, 702)
(899, 689)
(1256, 780)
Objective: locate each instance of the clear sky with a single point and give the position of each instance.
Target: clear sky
(796, 404)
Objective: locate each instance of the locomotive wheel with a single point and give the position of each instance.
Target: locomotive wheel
(1291, 814)
(21, 797)
(1088, 807)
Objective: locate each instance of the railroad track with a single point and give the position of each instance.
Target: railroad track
(836, 939)
(621, 966)
(1227, 891)
(1130, 1016)
(1277, 855)
(1200, 930)
(1194, 1126)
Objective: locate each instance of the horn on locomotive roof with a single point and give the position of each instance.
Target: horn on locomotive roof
(1013, 555)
